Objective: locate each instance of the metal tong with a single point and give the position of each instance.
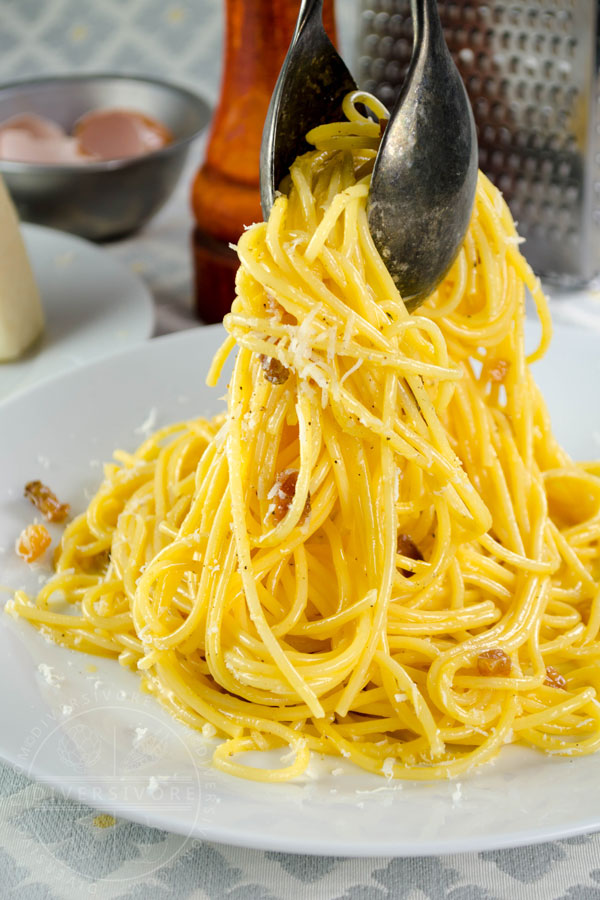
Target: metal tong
(425, 174)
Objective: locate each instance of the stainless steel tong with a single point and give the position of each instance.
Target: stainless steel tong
(424, 178)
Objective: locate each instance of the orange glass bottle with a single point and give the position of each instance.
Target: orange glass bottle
(225, 193)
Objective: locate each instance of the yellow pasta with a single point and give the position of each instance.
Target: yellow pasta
(379, 551)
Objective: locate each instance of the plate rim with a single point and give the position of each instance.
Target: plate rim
(280, 843)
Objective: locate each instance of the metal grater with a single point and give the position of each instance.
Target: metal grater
(531, 71)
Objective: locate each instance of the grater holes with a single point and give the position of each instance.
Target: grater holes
(554, 234)
(547, 211)
(394, 71)
(380, 23)
(466, 57)
(563, 168)
(474, 86)
(395, 25)
(530, 117)
(571, 96)
(564, 69)
(460, 37)
(371, 45)
(555, 95)
(504, 137)
(531, 64)
(565, 217)
(386, 47)
(536, 141)
(367, 16)
(504, 88)
(554, 143)
(554, 192)
(521, 187)
(497, 160)
(563, 118)
(570, 144)
(519, 62)
(572, 194)
(386, 94)
(476, 39)
(546, 117)
(564, 19)
(505, 183)
(538, 43)
(469, 14)
(377, 68)
(402, 49)
(483, 62)
(452, 13)
(513, 161)
(537, 190)
(521, 139)
(547, 19)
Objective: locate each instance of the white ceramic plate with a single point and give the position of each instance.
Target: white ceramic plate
(93, 305)
(93, 735)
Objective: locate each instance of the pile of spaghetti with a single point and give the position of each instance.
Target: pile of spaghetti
(379, 551)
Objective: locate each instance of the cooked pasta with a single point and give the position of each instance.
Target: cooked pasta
(379, 551)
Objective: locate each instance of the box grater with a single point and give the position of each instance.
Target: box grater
(531, 71)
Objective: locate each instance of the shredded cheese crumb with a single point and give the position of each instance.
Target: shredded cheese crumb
(148, 425)
(49, 675)
(388, 766)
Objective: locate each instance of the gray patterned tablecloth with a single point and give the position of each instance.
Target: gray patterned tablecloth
(55, 849)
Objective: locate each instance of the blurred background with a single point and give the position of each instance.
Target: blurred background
(530, 68)
(180, 40)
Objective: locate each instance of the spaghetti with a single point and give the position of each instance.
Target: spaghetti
(379, 551)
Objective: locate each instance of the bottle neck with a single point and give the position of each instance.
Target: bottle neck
(257, 35)
(225, 194)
